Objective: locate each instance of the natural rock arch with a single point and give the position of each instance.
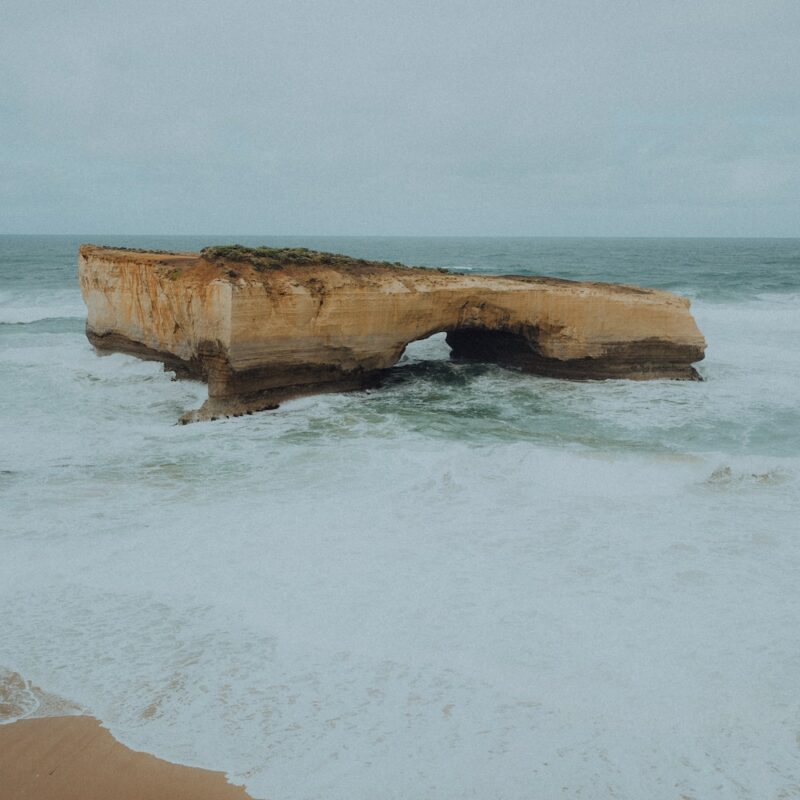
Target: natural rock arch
(264, 325)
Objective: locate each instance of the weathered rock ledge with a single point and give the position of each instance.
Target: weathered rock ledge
(261, 326)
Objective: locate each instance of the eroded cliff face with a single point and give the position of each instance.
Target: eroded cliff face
(260, 329)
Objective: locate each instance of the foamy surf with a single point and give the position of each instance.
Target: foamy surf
(16, 309)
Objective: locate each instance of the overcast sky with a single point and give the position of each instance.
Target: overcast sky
(568, 117)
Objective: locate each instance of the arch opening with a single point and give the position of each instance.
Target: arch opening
(431, 347)
(504, 347)
(478, 344)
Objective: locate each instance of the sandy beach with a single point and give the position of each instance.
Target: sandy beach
(74, 758)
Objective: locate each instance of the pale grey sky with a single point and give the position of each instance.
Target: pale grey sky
(569, 117)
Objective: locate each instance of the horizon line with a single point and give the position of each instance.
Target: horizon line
(405, 235)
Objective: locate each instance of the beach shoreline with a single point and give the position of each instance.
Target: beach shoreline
(76, 758)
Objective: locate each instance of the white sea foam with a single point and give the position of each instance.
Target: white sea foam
(18, 307)
(496, 617)
(17, 697)
(473, 584)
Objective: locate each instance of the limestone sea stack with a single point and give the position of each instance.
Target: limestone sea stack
(263, 325)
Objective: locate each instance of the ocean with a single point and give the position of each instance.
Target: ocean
(468, 583)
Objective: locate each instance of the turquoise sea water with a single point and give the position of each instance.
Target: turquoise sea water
(468, 583)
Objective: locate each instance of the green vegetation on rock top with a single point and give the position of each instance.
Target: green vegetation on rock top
(264, 258)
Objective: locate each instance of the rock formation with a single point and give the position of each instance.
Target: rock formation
(263, 325)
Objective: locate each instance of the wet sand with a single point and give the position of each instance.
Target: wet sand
(74, 758)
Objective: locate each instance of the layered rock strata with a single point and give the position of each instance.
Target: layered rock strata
(261, 326)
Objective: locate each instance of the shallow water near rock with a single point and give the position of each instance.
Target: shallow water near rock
(467, 583)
